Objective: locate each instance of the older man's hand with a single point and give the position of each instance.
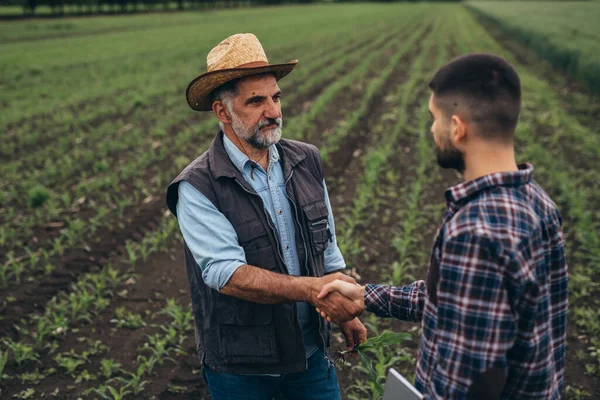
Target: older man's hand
(336, 306)
(354, 332)
(350, 290)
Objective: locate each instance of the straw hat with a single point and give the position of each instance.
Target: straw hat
(235, 57)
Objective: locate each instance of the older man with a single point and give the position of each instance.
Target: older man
(259, 239)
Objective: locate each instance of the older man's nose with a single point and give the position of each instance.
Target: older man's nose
(272, 110)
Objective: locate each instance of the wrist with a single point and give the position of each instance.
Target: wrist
(310, 289)
(361, 298)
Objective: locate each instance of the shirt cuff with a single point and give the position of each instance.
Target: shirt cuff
(376, 299)
(337, 266)
(334, 261)
(217, 274)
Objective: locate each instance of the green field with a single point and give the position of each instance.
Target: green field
(567, 33)
(94, 122)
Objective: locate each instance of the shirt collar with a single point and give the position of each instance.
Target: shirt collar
(463, 191)
(238, 157)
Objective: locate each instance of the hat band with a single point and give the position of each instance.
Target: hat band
(253, 64)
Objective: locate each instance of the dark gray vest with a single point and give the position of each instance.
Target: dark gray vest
(237, 336)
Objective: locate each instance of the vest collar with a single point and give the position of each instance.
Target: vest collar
(223, 166)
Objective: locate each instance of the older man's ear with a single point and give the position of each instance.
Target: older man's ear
(221, 112)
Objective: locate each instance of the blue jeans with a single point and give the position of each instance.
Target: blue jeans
(316, 383)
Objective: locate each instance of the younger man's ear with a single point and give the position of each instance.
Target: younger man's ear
(458, 129)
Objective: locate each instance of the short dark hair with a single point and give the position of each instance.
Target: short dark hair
(226, 90)
(488, 85)
(231, 89)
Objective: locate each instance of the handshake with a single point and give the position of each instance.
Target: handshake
(337, 297)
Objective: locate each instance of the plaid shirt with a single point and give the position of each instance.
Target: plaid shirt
(494, 307)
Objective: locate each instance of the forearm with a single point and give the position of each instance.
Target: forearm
(261, 286)
(404, 302)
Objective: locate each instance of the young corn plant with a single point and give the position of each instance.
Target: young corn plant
(85, 376)
(111, 276)
(18, 268)
(109, 393)
(69, 364)
(574, 393)
(79, 304)
(375, 359)
(182, 318)
(133, 382)
(25, 394)
(43, 330)
(21, 352)
(126, 319)
(131, 253)
(58, 321)
(174, 339)
(58, 247)
(109, 367)
(3, 360)
(34, 259)
(158, 346)
(5, 271)
(36, 376)
(147, 363)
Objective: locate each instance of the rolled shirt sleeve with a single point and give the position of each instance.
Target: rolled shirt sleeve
(209, 235)
(334, 260)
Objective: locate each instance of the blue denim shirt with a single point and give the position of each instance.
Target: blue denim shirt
(213, 241)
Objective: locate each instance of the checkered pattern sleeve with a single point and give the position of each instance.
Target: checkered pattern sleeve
(403, 302)
(476, 325)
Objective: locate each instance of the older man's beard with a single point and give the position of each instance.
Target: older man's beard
(449, 156)
(254, 136)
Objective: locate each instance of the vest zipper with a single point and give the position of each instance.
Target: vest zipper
(329, 363)
(298, 222)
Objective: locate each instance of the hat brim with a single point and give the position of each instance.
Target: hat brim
(199, 90)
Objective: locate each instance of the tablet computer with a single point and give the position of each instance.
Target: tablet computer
(398, 388)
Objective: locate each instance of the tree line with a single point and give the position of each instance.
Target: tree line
(71, 7)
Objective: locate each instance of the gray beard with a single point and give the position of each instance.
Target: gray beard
(254, 136)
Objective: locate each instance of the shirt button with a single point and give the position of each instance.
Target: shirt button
(287, 247)
(279, 212)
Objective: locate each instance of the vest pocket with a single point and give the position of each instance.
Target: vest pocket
(318, 225)
(252, 235)
(258, 250)
(247, 335)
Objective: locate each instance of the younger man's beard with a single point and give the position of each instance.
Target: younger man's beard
(449, 156)
(254, 136)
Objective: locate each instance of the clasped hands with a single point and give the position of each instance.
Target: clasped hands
(338, 297)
